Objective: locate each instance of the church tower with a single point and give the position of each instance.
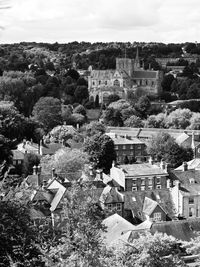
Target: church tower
(137, 60)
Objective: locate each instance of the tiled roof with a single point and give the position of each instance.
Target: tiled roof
(17, 155)
(145, 74)
(117, 227)
(142, 169)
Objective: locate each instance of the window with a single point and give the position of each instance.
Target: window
(191, 200)
(150, 181)
(142, 188)
(158, 180)
(119, 206)
(109, 206)
(134, 181)
(157, 216)
(158, 186)
(116, 83)
(192, 181)
(131, 147)
(124, 147)
(134, 188)
(150, 187)
(191, 212)
(93, 83)
(116, 147)
(139, 146)
(106, 82)
(143, 181)
(99, 82)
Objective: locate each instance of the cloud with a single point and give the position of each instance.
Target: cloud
(101, 20)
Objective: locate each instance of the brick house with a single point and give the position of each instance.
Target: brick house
(128, 150)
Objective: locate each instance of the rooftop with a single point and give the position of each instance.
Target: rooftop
(142, 169)
(141, 74)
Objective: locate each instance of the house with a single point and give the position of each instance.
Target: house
(153, 211)
(185, 191)
(141, 176)
(128, 150)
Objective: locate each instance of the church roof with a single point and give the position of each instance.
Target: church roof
(144, 74)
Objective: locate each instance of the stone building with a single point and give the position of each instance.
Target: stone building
(128, 75)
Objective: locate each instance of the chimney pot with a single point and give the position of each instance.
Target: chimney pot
(34, 170)
(185, 166)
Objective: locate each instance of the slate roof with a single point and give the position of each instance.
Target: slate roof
(123, 141)
(134, 201)
(142, 169)
(185, 176)
(182, 138)
(111, 195)
(145, 74)
(117, 228)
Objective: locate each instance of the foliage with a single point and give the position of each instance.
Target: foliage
(81, 243)
(80, 109)
(81, 93)
(100, 149)
(48, 112)
(156, 121)
(163, 146)
(113, 98)
(19, 240)
(134, 121)
(30, 160)
(95, 127)
(167, 82)
(112, 117)
(152, 251)
(142, 106)
(66, 160)
(6, 146)
(179, 119)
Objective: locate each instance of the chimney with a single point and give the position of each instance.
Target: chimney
(162, 165)
(53, 172)
(90, 170)
(185, 166)
(151, 160)
(167, 167)
(99, 173)
(168, 183)
(34, 170)
(113, 164)
(44, 184)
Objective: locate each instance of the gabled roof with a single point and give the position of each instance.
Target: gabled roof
(149, 206)
(182, 138)
(60, 190)
(111, 195)
(117, 227)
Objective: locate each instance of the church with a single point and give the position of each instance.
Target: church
(128, 76)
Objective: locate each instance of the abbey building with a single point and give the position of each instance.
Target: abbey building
(128, 75)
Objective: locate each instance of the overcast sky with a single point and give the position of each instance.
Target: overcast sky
(101, 20)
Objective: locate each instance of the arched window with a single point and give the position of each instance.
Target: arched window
(116, 83)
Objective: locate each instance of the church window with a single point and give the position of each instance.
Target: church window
(116, 83)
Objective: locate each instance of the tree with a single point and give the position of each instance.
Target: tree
(20, 238)
(6, 145)
(101, 151)
(30, 160)
(178, 119)
(66, 160)
(119, 105)
(195, 122)
(80, 109)
(112, 117)
(113, 98)
(143, 105)
(81, 93)
(134, 121)
(151, 251)
(156, 121)
(95, 127)
(167, 82)
(163, 146)
(81, 243)
(48, 112)
(73, 74)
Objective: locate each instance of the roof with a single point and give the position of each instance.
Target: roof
(190, 190)
(102, 74)
(17, 155)
(149, 206)
(134, 201)
(111, 195)
(123, 141)
(36, 214)
(182, 229)
(60, 191)
(182, 138)
(192, 164)
(142, 169)
(145, 74)
(50, 149)
(185, 176)
(117, 227)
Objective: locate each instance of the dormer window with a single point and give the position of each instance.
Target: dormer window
(192, 181)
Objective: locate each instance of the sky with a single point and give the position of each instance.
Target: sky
(64, 21)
